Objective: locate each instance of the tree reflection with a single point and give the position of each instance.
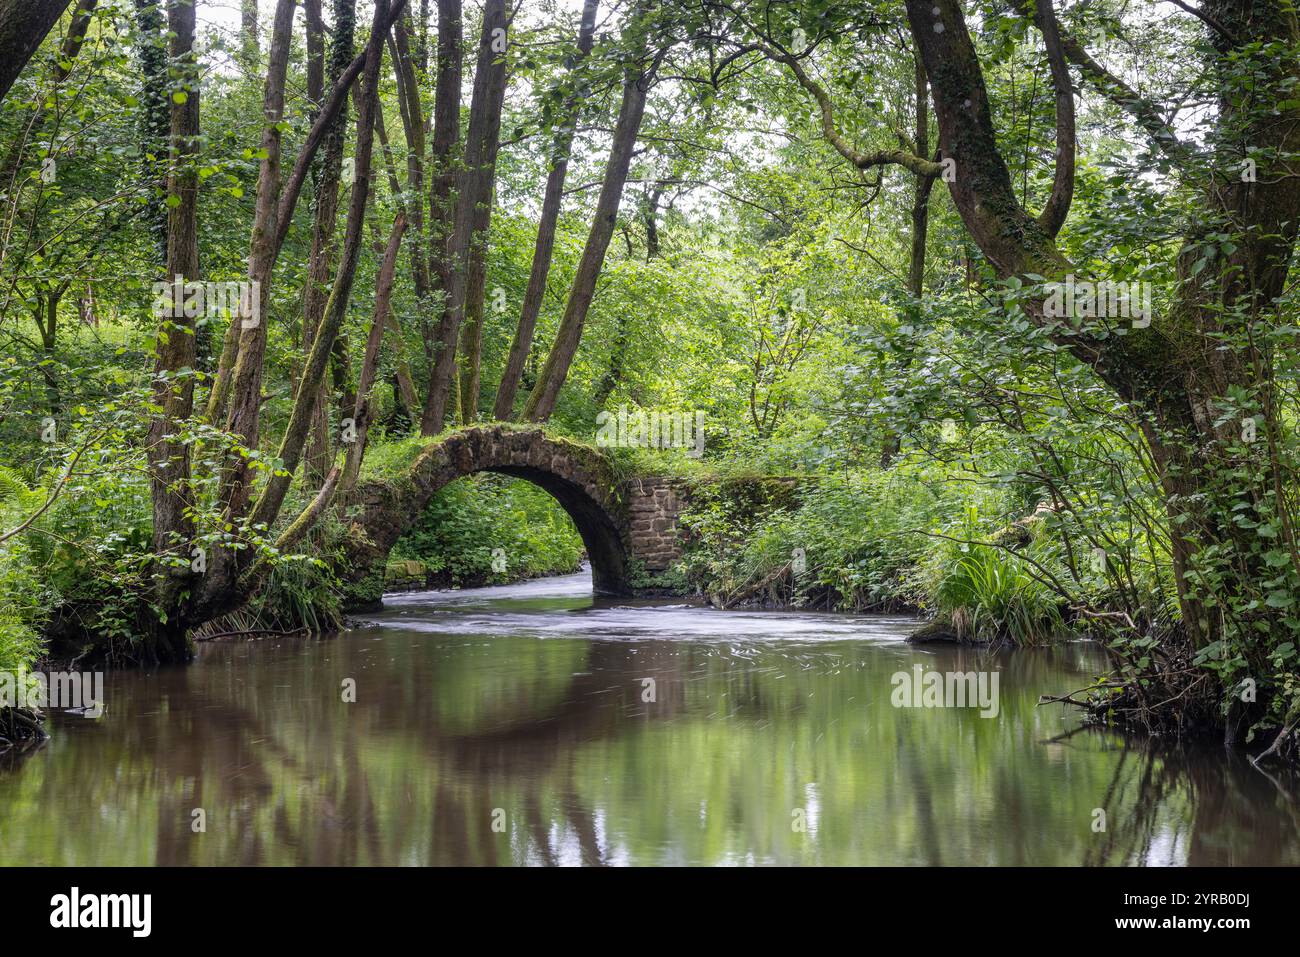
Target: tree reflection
(481, 750)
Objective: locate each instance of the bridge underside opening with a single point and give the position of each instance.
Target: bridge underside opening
(600, 536)
(577, 477)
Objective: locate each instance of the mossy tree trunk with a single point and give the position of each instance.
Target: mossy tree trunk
(1174, 373)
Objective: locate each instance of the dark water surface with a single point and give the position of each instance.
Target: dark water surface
(509, 726)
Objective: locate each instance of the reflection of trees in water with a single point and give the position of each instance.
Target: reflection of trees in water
(232, 762)
(585, 771)
(1194, 806)
(530, 751)
(1162, 806)
(227, 753)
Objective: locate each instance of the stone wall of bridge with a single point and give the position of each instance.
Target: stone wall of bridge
(631, 526)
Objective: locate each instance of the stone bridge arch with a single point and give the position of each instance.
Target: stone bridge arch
(578, 476)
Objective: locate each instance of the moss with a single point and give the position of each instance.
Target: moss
(364, 593)
(670, 582)
(757, 495)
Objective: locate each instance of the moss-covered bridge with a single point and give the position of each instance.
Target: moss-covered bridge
(629, 523)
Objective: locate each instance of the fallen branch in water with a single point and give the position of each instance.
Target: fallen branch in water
(252, 631)
(1070, 699)
(1122, 616)
(1276, 746)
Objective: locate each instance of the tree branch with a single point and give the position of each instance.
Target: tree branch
(1058, 203)
(1126, 98)
(899, 157)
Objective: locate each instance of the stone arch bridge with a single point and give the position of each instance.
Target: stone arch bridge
(629, 524)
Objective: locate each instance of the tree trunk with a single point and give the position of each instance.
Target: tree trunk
(75, 37)
(1174, 374)
(173, 388)
(362, 411)
(242, 418)
(923, 185)
(442, 159)
(155, 122)
(544, 248)
(541, 403)
(471, 340)
(250, 49)
(23, 25)
(473, 207)
(321, 261)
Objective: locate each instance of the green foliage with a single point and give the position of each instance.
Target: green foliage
(853, 543)
(23, 602)
(990, 593)
(485, 518)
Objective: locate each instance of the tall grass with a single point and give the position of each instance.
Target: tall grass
(988, 594)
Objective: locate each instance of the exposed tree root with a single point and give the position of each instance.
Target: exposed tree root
(20, 731)
(1172, 697)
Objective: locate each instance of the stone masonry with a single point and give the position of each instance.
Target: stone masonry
(654, 504)
(629, 525)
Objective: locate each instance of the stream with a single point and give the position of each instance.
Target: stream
(533, 724)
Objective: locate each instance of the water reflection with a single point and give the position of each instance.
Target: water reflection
(511, 726)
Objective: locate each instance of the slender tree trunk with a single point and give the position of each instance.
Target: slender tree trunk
(541, 403)
(544, 247)
(617, 365)
(75, 37)
(652, 222)
(442, 160)
(471, 340)
(923, 185)
(49, 320)
(173, 388)
(313, 291)
(155, 122)
(250, 48)
(474, 190)
(242, 419)
(405, 383)
(363, 410)
(321, 261)
(422, 38)
(316, 32)
(413, 125)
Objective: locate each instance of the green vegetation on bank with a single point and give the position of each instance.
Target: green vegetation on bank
(485, 529)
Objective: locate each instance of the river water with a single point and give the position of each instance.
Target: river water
(532, 724)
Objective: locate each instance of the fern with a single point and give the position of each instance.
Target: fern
(15, 492)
